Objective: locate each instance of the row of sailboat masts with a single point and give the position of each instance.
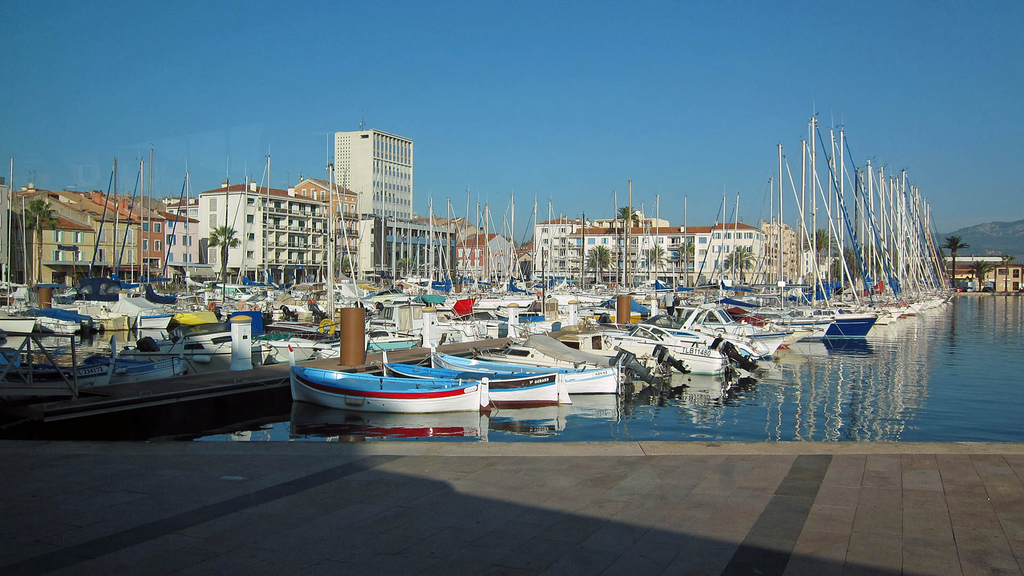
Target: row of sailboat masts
(894, 237)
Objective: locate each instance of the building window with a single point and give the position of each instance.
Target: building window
(170, 257)
(213, 204)
(157, 245)
(79, 237)
(156, 226)
(145, 245)
(56, 255)
(145, 226)
(249, 219)
(171, 240)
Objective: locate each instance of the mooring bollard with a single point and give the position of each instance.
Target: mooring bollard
(353, 337)
(429, 322)
(513, 320)
(45, 297)
(622, 309)
(241, 343)
(574, 313)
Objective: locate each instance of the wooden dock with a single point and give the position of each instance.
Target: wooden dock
(191, 404)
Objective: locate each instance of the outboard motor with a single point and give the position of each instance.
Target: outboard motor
(634, 367)
(730, 351)
(147, 344)
(318, 313)
(663, 357)
(289, 315)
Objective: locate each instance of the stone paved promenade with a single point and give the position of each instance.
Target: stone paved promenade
(524, 508)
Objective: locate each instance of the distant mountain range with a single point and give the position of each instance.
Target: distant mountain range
(992, 238)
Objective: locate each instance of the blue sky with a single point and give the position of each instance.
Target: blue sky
(560, 101)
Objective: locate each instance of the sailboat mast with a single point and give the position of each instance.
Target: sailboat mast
(332, 233)
(7, 204)
(782, 277)
(629, 229)
(803, 206)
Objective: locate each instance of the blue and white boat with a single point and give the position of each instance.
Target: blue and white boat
(506, 389)
(368, 393)
(577, 380)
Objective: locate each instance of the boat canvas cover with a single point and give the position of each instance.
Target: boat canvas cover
(136, 306)
(61, 314)
(634, 306)
(98, 289)
(558, 350)
(157, 298)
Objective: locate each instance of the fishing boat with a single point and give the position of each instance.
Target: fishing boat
(577, 380)
(368, 393)
(506, 390)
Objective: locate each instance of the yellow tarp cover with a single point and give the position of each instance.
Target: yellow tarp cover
(195, 318)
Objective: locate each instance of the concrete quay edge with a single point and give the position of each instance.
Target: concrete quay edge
(514, 449)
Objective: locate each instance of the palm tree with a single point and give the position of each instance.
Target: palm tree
(223, 236)
(820, 245)
(742, 258)
(404, 265)
(39, 215)
(980, 269)
(599, 258)
(688, 250)
(654, 256)
(628, 218)
(954, 244)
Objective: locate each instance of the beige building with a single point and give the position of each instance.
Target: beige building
(378, 167)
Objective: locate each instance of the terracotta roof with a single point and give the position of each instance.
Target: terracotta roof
(65, 224)
(262, 191)
(670, 230)
(563, 220)
(177, 218)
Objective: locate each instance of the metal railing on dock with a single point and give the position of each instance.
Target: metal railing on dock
(25, 383)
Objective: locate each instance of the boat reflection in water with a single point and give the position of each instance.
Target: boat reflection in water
(309, 420)
(552, 420)
(686, 390)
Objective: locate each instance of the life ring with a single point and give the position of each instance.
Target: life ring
(326, 327)
(211, 306)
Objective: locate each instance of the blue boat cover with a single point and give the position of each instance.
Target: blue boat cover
(445, 286)
(98, 289)
(61, 314)
(158, 299)
(741, 303)
(257, 320)
(513, 288)
(634, 306)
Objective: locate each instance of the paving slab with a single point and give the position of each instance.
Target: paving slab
(515, 508)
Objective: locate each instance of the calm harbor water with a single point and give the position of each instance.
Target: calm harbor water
(951, 374)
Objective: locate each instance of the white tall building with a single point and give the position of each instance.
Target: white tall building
(378, 167)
